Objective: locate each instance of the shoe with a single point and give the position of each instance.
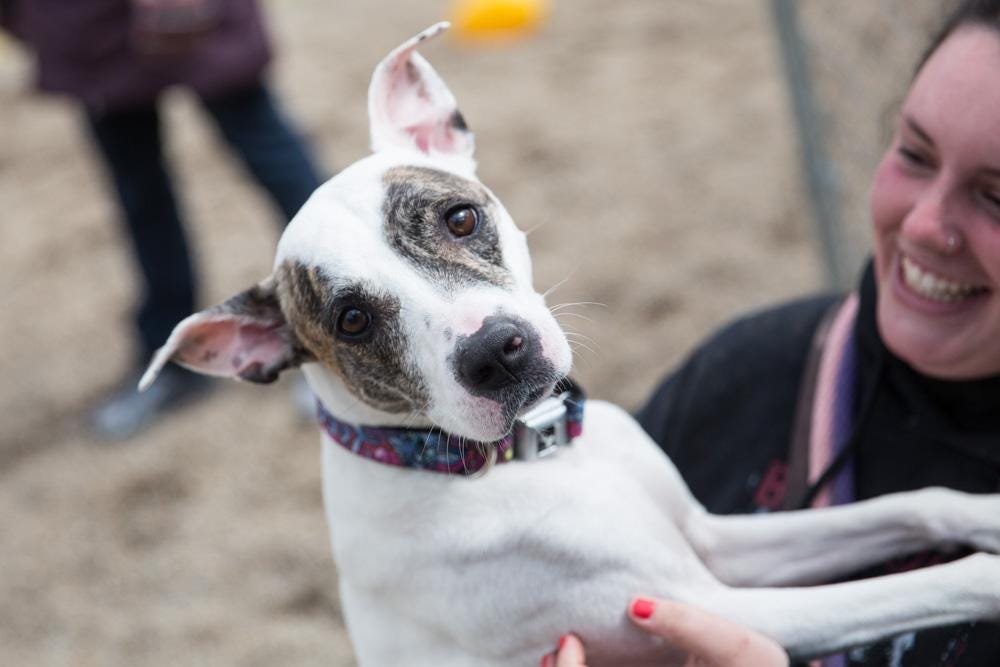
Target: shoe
(126, 412)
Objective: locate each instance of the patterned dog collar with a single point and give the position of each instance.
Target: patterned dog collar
(554, 423)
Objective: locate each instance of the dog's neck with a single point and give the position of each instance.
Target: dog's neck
(412, 441)
(425, 449)
(343, 418)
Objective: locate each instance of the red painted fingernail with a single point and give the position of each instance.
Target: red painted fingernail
(643, 608)
(562, 641)
(545, 660)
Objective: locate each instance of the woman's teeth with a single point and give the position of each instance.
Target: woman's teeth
(934, 287)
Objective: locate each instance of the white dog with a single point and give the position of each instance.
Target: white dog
(403, 289)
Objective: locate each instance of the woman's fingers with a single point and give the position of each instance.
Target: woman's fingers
(569, 654)
(712, 641)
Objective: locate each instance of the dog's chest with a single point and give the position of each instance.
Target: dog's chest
(535, 548)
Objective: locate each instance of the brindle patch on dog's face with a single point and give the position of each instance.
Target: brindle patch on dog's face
(417, 201)
(373, 367)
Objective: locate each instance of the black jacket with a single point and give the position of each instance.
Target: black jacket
(725, 419)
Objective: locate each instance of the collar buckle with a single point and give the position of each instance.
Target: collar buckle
(542, 431)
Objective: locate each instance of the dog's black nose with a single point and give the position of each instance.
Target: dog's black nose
(496, 356)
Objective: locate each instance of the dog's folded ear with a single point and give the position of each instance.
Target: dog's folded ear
(246, 337)
(410, 107)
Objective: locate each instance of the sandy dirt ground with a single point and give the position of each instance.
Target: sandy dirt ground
(646, 143)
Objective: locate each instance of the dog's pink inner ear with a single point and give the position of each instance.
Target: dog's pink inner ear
(233, 346)
(245, 337)
(411, 107)
(423, 116)
(438, 137)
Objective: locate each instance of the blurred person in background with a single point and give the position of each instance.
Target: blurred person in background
(116, 57)
(896, 387)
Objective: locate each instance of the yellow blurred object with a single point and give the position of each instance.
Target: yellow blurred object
(491, 20)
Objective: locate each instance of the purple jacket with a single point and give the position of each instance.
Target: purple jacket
(85, 48)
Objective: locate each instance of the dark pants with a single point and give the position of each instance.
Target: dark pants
(132, 147)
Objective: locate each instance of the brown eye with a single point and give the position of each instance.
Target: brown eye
(462, 220)
(353, 322)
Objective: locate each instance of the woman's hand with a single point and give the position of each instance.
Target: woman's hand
(709, 640)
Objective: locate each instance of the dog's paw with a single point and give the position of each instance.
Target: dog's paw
(979, 578)
(964, 519)
(984, 533)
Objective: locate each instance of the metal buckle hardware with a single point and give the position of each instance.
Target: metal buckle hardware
(541, 431)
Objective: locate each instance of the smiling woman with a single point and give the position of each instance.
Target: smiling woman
(936, 211)
(896, 386)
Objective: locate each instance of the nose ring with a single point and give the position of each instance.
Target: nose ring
(952, 241)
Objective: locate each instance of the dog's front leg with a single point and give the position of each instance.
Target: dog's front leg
(818, 620)
(816, 546)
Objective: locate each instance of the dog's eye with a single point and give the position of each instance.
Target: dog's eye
(462, 220)
(353, 322)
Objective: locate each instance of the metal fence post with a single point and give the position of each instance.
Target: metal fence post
(820, 172)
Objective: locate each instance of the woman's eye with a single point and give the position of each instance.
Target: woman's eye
(913, 157)
(992, 199)
(462, 220)
(353, 322)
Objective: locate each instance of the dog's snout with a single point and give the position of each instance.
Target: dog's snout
(496, 356)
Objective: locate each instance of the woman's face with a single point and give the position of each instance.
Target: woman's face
(935, 205)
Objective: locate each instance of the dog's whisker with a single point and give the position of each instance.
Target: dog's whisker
(576, 335)
(579, 316)
(575, 344)
(411, 419)
(447, 448)
(580, 334)
(489, 454)
(580, 339)
(418, 412)
(429, 439)
(569, 304)
(568, 313)
(461, 451)
(541, 224)
(559, 284)
(350, 410)
(441, 435)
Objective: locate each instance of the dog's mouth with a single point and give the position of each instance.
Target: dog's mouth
(535, 397)
(520, 401)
